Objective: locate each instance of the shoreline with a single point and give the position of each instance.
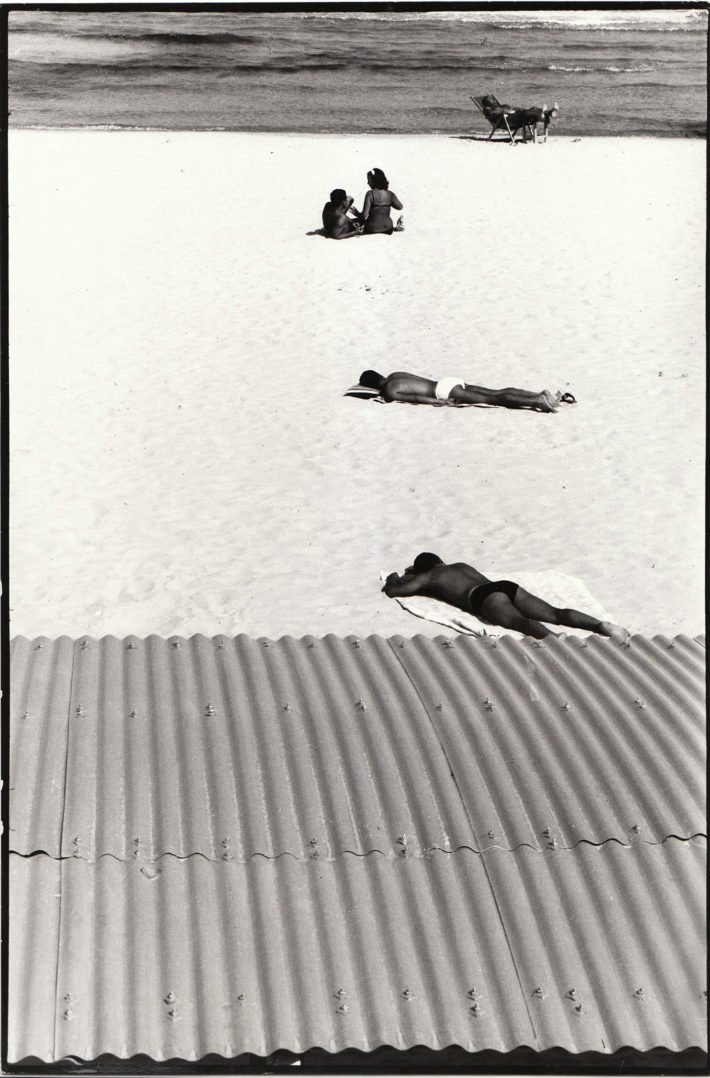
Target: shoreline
(483, 137)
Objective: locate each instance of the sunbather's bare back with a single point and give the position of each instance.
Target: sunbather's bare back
(400, 385)
(449, 583)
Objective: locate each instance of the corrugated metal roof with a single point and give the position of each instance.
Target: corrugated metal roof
(590, 949)
(232, 747)
(232, 752)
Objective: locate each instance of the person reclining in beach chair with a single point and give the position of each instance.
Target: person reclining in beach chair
(336, 223)
(414, 389)
(495, 113)
(513, 119)
(499, 602)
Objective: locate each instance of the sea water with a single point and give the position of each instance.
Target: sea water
(627, 72)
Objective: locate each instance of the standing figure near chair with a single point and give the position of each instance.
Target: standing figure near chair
(376, 208)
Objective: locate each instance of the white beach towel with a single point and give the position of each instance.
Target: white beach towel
(555, 588)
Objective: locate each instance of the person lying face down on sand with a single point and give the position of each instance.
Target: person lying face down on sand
(336, 223)
(412, 388)
(376, 207)
(500, 602)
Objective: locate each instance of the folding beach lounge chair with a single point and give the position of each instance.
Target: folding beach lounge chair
(496, 114)
(515, 119)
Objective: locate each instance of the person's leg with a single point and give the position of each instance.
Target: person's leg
(531, 606)
(498, 609)
(506, 398)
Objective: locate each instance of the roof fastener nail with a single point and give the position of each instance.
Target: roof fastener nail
(25, 715)
(572, 994)
(636, 828)
(220, 644)
(578, 1008)
(133, 714)
(402, 644)
(547, 832)
(342, 1009)
(491, 834)
(356, 643)
(241, 997)
(170, 998)
(84, 645)
(565, 706)
(552, 844)
(640, 704)
(209, 710)
(131, 646)
(475, 1010)
(172, 1014)
(639, 993)
(286, 707)
(439, 706)
(538, 992)
(488, 705)
(38, 647)
(448, 643)
(68, 1014)
(407, 994)
(361, 705)
(80, 710)
(176, 643)
(340, 993)
(67, 998)
(472, 993)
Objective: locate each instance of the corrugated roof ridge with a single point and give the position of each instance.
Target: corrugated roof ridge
(106, 1058)
(570, 641)
(393, 857)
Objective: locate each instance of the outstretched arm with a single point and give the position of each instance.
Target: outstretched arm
(408, 584)
(418, 398)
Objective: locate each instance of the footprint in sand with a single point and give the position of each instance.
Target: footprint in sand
(138, 589)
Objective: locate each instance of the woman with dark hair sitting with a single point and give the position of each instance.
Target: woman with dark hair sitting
(378, 202)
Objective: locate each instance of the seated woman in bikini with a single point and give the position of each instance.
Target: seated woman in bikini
(379, 200)
(499, 602)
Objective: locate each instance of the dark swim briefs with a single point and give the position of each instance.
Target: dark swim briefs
(475, 599)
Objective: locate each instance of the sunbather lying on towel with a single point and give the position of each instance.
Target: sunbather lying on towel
(414, 389)
(337, 224)
(500, 602)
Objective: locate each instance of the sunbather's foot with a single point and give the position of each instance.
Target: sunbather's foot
(547, 402)
(399, 227)
(615, 632)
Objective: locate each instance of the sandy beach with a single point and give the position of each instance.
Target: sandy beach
(183, 458)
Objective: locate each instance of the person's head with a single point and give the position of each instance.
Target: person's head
(424, 562)
(377, 178)
(337, 197)
(372, 380)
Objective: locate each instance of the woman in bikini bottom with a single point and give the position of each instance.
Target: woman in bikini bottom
(479, 594)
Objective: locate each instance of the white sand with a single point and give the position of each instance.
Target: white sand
(182, 457)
